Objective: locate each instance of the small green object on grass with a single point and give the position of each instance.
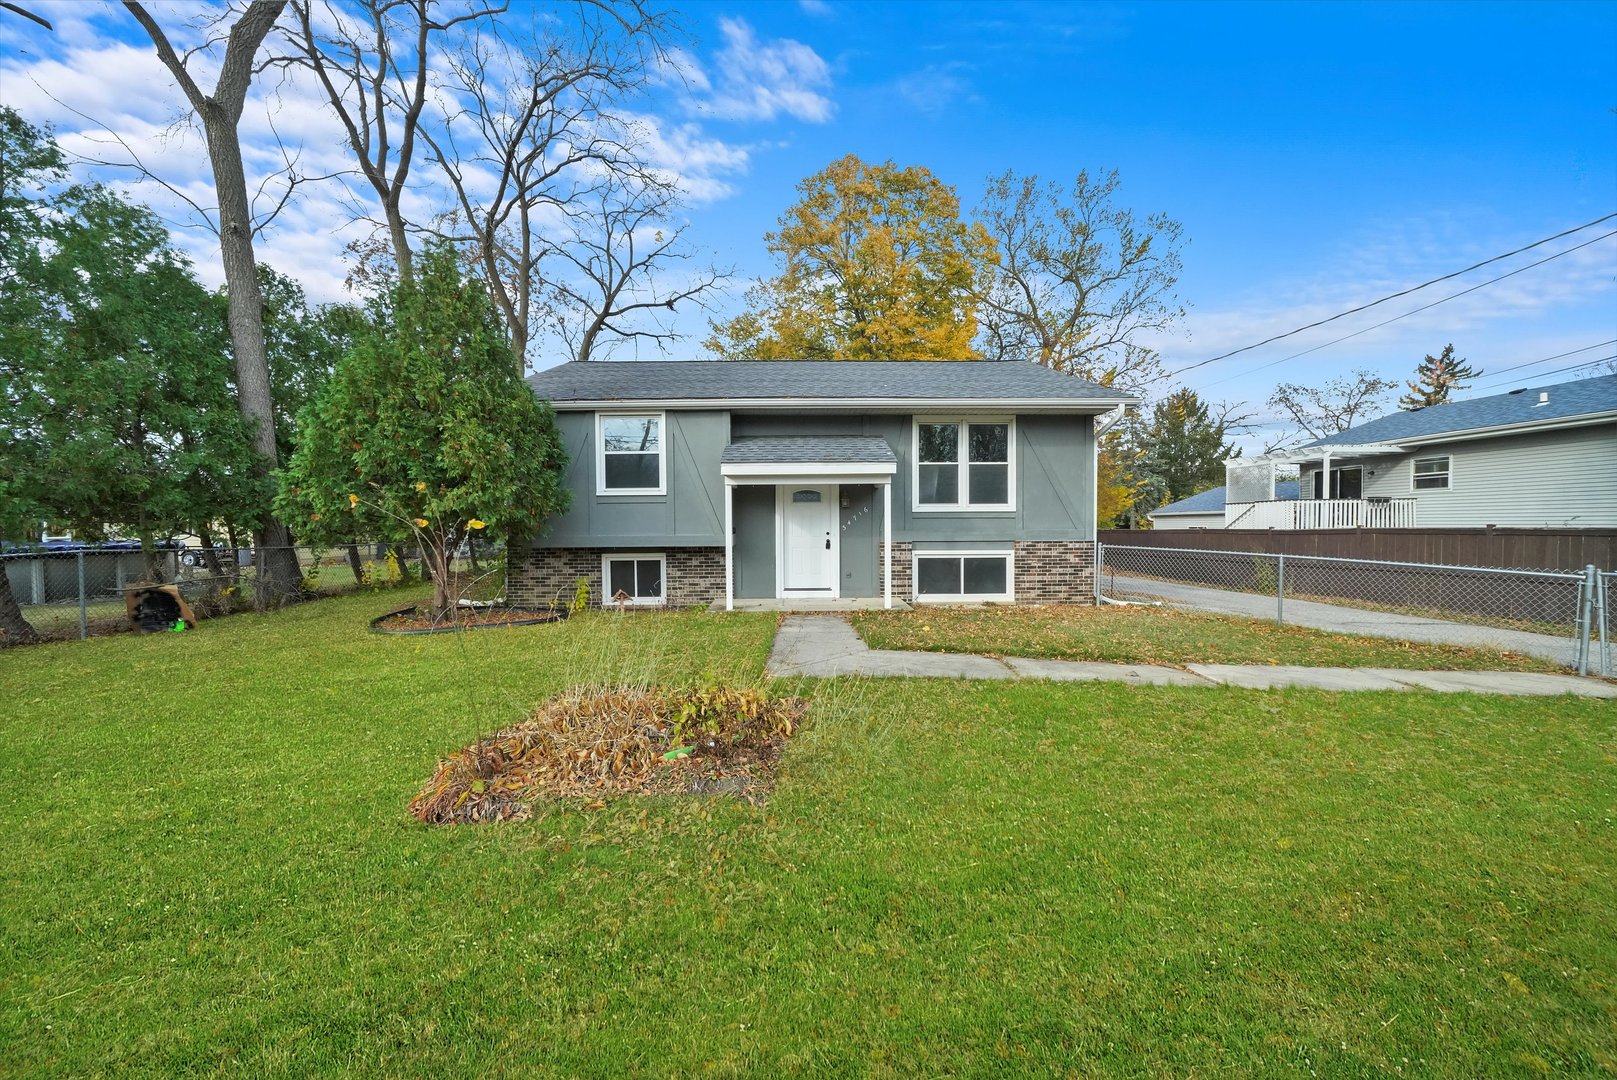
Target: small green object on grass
(178, 627)
(677, 753)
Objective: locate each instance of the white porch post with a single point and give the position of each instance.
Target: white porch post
(887, 544)
(729, 547)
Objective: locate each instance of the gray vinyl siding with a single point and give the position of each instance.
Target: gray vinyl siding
(1055, 498)
(1548, 479)
(1055, 473)
(691, 514)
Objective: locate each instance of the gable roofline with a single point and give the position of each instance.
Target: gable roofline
(843, 404)
(1567, 404)
(812, 385)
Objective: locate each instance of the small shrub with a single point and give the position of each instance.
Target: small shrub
(581, 596)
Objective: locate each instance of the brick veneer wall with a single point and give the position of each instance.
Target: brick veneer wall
(692, 576)
(903, 572)
(1047, 572)
(1055, 571)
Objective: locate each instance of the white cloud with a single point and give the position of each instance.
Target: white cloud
(936, 88)
(102, 88)
(818, 8)
(761, 80)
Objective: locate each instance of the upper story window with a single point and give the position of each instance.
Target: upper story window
(631, 459)
(1431, 472)
(964, 464)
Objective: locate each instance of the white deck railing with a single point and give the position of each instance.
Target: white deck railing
(1322, 514)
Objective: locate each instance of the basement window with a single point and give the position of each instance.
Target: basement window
(640, 577)
(963, 577)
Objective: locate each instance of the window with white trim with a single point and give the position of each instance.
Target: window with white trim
(957, 576)
(631, 453)
(638, 578)
(1431, 472)
(964, 464)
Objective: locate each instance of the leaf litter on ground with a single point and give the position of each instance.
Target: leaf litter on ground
(599, 743)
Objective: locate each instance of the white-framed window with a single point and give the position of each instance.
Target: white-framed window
(1431, 472)
(964, 464)
(630, 456)
(945, 577)
(641, 576)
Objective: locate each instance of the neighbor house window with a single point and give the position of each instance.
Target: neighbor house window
(1431, 472)
(631, 460)
(941, 577)
(633, 579)
(963, 464)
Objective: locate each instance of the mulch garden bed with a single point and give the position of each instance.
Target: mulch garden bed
(413, 620)
(597, 744)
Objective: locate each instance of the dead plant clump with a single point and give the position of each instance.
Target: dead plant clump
(600, 743)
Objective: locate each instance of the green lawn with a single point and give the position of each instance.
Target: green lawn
(1150, 635)
(205, 867)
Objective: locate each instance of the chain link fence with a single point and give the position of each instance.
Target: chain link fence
(1554, 614)
(78, 591)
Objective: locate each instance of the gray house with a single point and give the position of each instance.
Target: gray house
(1538, 457)
(806, 483)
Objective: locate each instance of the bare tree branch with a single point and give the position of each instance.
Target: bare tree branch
(1333, 406)
(1078, 281)
(25, 13)
(532, 127)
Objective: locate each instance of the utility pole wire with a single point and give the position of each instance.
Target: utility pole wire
(1412, 311)
(1554, 371)
(1393, 296)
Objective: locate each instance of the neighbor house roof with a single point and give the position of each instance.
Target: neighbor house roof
(1211, 501)
(839, 449)
(1519, 407)
(695, 383)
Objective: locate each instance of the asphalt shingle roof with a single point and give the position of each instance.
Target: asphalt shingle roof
(1211, 501)
(1567, 399)
(718, 380)
(840, 449)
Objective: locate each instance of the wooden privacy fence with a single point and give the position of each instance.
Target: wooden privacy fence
(1536, 549)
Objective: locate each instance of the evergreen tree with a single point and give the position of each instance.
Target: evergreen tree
(426, 431)
(1180, 451)
(1435, 379)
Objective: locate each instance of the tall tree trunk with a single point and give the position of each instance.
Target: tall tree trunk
(210, 555)
(14, 628)
(220, 114)
(278, 572)
(356, 564)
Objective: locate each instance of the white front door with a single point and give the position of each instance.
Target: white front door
(808, 541)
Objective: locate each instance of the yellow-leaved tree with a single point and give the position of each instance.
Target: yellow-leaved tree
(874, 264)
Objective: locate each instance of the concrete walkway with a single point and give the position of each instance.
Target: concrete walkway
(827, 646)
(1347, 620)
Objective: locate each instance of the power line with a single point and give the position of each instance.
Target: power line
(1557, 356)
(1554, 371)
(1414, 311)
(1394, 296)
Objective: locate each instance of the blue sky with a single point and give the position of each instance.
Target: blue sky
(1318, 155)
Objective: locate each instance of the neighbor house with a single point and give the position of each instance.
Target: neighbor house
(803, 483)
(1537, 457)
(1205, 509)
